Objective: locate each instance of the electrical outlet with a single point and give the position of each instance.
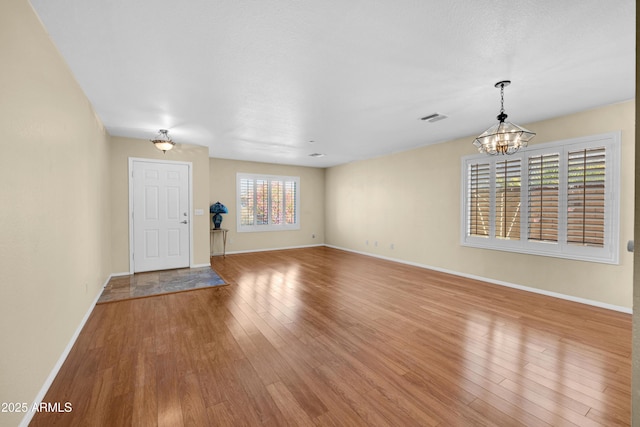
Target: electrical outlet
(313, 236)
(375, 243)
(392, 246)
(366, 242)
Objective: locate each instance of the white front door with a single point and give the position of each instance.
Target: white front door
(160, 215)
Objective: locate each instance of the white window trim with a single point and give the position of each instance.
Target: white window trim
(265, 227)
(609, 254)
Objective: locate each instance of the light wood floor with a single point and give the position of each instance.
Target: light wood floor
(320, 336)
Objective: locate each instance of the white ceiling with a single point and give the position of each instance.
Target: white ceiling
(259, 79)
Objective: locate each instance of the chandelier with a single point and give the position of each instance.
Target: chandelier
(503, 137)
(163, 142)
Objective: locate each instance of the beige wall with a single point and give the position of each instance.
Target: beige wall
(635, 389)
(223, 189)
(121, 150)
(54, 210)
(411, 200)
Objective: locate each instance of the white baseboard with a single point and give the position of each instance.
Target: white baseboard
(124, 273)
(498, 282)
(273, 249)
(200, 265)
(54, 372)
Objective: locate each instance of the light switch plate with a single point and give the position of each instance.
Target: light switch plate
(199, 212)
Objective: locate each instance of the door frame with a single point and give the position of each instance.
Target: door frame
(190, 207)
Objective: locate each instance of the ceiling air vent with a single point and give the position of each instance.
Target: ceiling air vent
(434, 117)
(317, 155)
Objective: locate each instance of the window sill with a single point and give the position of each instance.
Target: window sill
(575, 253)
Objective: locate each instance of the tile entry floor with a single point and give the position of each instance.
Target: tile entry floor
(159, 282)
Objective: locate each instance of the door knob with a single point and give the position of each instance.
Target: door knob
(183, 222)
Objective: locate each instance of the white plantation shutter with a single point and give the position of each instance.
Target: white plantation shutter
(290, 202)
(267, 202)
(247, 202)
(479, 199)
(262, 202)
(586, 197)
(507, 190)
(557, 199)
(277, 201)
(543, 197)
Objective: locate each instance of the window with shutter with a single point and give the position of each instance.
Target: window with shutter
(262, 202)
(543, 197)
(290, 202)
(586, 197)
(507, 183)
(479, 199)
(276, 202)
(558, 199)
(247, 198)
(267, 202)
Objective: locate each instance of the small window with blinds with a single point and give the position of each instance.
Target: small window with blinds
(267, 202)
(557, 199)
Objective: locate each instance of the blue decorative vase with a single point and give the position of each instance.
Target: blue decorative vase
(217, 220)
(217, 209)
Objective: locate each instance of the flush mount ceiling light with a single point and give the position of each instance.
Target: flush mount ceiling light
(163, 142)
(503, 137)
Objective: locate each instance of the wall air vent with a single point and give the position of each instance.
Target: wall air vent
(434, 117)
(317, 155)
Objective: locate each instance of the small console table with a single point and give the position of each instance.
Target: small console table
(212, 240)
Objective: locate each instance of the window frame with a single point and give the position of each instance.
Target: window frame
(269, 226)
(608, 253)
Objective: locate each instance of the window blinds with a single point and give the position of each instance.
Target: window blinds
(479, 199)
(543, 196)
(586, 197)
(507, 185)
(247, 216)
(290, 202)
